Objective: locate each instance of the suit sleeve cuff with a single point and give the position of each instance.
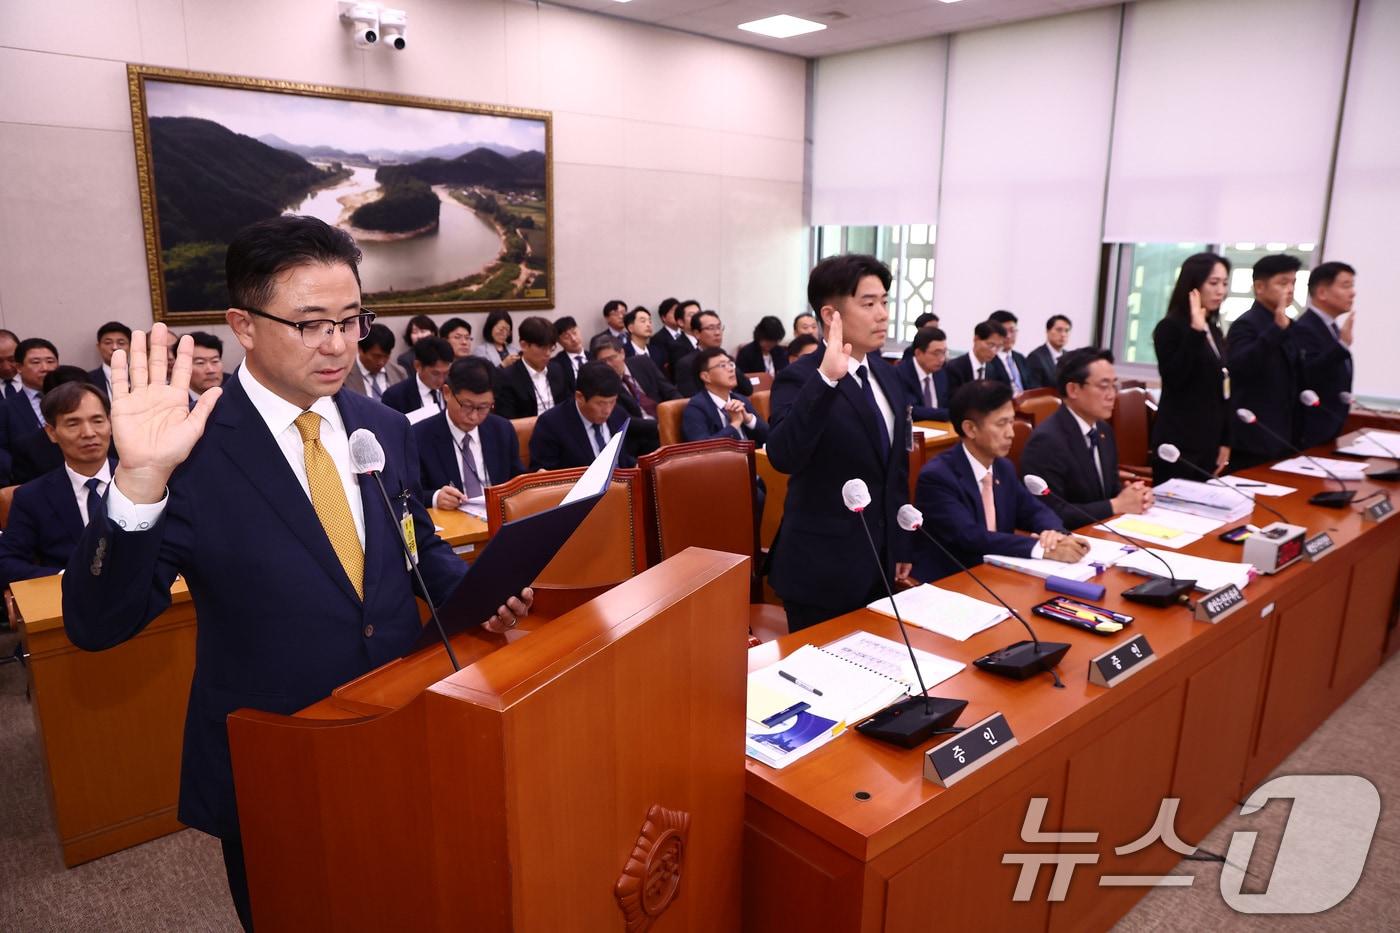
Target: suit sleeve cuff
(129, 516)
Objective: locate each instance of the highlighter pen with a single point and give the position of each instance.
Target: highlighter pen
(791, 679)
(1098, 610)
(1102, 628)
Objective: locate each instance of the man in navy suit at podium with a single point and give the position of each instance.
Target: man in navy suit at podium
(466, 448)
(292, 560)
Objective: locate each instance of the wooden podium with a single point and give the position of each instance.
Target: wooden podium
(581, 773)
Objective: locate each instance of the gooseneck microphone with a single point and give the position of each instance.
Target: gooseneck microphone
(911, 721)
(1388, 476)
(1333, 499)
(1169, 453)
(1018, 661)
(1155, 591)
(367, 456)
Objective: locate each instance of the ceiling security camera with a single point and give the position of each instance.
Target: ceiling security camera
(364, 22)
(394, 28)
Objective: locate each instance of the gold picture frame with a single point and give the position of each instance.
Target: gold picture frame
(434, 199)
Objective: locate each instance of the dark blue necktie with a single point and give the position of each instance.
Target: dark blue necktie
(598, 436)
(869, 394)
(94, 499)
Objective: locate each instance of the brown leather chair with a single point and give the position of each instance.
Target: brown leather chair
(1021, 433)
(7, 497)
(524, 428)
(917, 458)
(760, 381)
(1132, 432)
(762, 402)
(1038, 392)
(609, 547)
(1036, 408)
(702, 494)
(668, 420)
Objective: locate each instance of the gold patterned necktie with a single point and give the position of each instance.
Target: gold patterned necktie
(329, 501)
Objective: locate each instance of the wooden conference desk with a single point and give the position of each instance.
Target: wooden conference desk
(938, 436)
(1220, 708)
(111, 723)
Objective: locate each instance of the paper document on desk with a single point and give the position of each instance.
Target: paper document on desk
(1257, 487)
(1163, 527)
(422, 413)
(942, 611)
(1101, 554)
(1374, 444)
(1344, 469)
(474, 507)
(891, 658)
(1208, 500)
(1208, 574)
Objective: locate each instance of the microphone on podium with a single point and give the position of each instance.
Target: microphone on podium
(1332, 499)
(1388, 476)
(1154, 591)
(911, 721)
(1018, 661)
(1170, 453)
(367, 456)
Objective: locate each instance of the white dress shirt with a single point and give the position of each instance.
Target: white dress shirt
(1084, 429)
(425, 394)
(882, 403)
(379, 379)
(107, 374)
(926, 378)
(588, 430)
(280, 417)
(749, 419)
(80, 490)
(544, 396)
(458, 436)
(979, 471)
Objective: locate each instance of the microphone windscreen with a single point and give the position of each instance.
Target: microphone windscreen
(855, 494)
(910, 518)
(1245, 415)
(1309, 398)
(366, 455)
(1168, 453)
(1037, 485)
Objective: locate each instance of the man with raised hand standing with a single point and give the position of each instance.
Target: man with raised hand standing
(292, 561)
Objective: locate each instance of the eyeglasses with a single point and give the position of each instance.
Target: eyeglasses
(1103, 385)
(482, 409)
(316, 332)
(713, 328)
(722, 364)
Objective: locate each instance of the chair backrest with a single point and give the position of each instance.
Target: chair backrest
(1021, 433)
(762, 402)
(1131, 429)
(524, 428)
(760, 380)
(1039, 392)
(7, 496)
(917, 458)
(701, 494)
(668, 420)
(1037, 408)
(607, 548)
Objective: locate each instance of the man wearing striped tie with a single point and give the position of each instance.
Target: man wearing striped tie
(292, 560)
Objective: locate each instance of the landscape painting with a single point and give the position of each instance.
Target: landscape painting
(449, 202)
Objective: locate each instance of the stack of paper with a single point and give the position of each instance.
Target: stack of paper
(942, 611)
(1208, 574)
(1164, 527)
(1374, 444)
(1318, 467)
(1208, 500)
(1101, 554)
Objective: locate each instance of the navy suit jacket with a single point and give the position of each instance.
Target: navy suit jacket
(559, 441)
(659, 354)
(960, 371)
(17, 420)
(1058, 454)
(563, 373)
(1326, 369)
(403, 396)
(908, 374)
(33, 455)
(1040, 368)
(952, 505)
(280, 625)
(652, 380)
(515, 393)
(98, 378)
(43, 528)
(750, 358)
(440, 460)
(1265, 368)
(821, 437)
(701, 421)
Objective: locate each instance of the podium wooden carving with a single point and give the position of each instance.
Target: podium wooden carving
(509, 796)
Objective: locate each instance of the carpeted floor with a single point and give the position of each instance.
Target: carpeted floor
(177, 883)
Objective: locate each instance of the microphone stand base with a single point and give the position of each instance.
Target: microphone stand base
(1023, 660)
(1160, 592)
(1334, 499)
(912, 721)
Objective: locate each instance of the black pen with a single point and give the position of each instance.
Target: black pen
(791, 679)
(1250, 485)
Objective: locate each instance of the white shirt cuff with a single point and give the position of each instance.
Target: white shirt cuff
(751, 421)
(130, 516)
(434, 504)
(1037, 552)
(825, 379)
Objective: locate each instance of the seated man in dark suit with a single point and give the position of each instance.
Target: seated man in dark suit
(374, 369)
(923, 377)
(716, 411)
(1322, 334)
(466, 448)
(530, 386)
(19, 415)
(981, 361)
(924, 320)
(111, 337)
(1043, 360)
(1074, 451)
(432, 358)
(805, 325)
(637, 322)
(48, 514)
(686, 342)
(766, 354)
(973, 501)
(1017, 372)
(572, 434)
(571, 353)
(709, 332)
(613, 313)
(35, 453)
(663, 338)
(207, 364)
(643, 434)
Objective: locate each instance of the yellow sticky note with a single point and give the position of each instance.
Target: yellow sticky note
(1131, 526)
(764, 701)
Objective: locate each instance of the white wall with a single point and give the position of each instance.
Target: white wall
(678, 160)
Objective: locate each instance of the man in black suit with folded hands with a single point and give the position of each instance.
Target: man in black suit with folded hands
(972, 500)
(466, 448)
(839, 414)
(571, 434)
(717, 410)
(1074, 451)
